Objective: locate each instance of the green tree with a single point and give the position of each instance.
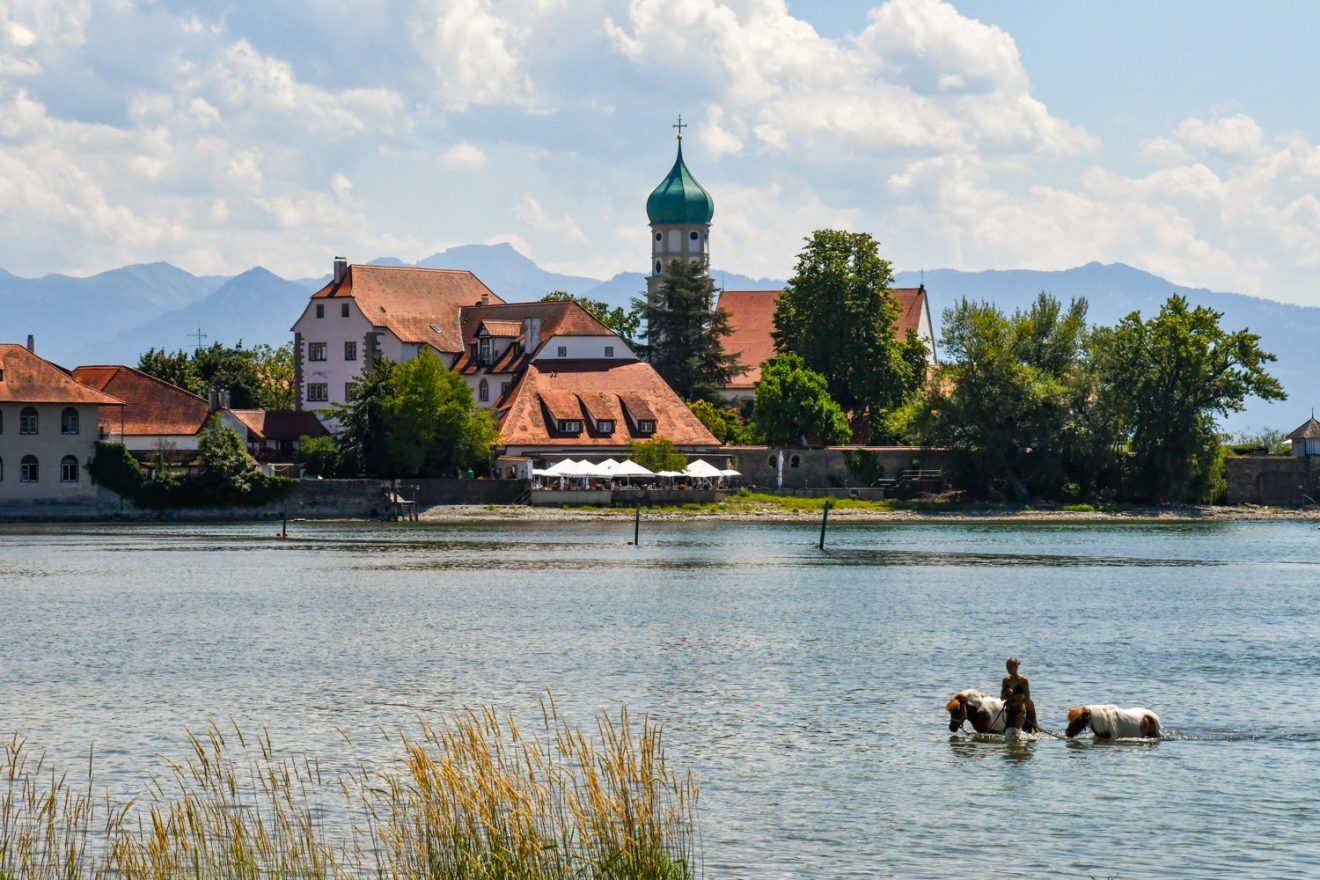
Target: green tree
(319, 456)
(275, 377)
(726, 423)
(224, 457)
(256, 378)
(433, 426)
(364, 423)
(626, 323)
(793, 405)
(177, 369)
(658, 454)
(1016, 401)
(684, 333)
(838, 315)
(1167, 378)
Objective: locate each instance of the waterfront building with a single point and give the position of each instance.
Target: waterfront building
(154, 416)
(48, 431)
(366, 312)
(1306, 439)
(274, 435)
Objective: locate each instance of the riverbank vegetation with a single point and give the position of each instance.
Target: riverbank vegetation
(472, 796)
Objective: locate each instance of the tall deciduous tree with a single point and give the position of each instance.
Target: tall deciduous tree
(684, 333)
(793, 405)
(837, 314)
(1168, 377)
(658, 454)
(256, 378)
(1016, 401)
(434, 428)
(363, 423)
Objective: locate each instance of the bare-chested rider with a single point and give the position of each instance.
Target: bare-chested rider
(1019, 710)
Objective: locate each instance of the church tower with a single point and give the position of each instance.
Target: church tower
(679, 211)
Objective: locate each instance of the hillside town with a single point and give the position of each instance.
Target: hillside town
(571, 404)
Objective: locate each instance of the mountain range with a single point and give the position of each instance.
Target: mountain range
(114, 316)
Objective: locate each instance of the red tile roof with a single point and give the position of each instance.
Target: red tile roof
(751, 318)
(560, 318)
(26, 378)
(280, 424)
(151, 406)
(412, 303)
(503, 328)
(597, 390)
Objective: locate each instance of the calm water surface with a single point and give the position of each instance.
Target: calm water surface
(804, 690)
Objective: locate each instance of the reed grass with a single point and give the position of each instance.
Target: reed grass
(469, 796)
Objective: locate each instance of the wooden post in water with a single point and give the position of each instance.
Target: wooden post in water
(824, 521)
(284, 529)
(637, 525)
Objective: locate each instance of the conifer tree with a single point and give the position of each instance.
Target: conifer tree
(684, 333)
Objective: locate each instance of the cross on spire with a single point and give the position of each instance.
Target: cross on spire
(680, 125)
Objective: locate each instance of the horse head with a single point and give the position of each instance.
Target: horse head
(957, 712)
(1079, 717)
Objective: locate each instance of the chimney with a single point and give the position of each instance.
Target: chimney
(341, 269)
(224, 398)
(485, 299)
(212, 400)
(32, 343)
(531, 334)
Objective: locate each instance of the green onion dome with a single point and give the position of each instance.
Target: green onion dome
(679, 198)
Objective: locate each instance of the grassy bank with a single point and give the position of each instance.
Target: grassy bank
(470, 797)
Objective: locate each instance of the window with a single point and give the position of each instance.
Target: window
(504, 388)
(657, 267)
(27, 421)
(795, 461)
(485, 356)
(69, 421)
(2, 375)
(316, 351)
(27, 469)
(605, 426)
(692, 236)
(317, 392)
(658, 236)
(645, 426)
(343, 310)
(609, 351)
(483, 391)
(320, 310)
(773, 461)
(350, 391)
(2, 470)
(2, 421)
(68, 469)
(569, 426)
(563, 351)
(350, 351)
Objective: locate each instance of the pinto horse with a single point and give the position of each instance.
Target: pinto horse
(986, 713)
(1110, 722)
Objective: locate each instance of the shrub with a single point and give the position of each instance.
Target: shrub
(115, 468)
(318, 455)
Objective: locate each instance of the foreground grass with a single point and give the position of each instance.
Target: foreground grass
(470, 797)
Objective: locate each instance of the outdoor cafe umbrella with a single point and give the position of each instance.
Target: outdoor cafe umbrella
(702, 470)
(630, 468)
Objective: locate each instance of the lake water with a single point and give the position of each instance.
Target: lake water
(805, 690)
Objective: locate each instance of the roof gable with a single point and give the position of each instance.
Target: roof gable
(27, 378)
(416, 305)
(151, 405)
(1308, 430)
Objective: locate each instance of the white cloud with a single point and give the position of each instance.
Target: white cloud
(473, 57)
(530, 212)
(463, 156)
(1234, 137)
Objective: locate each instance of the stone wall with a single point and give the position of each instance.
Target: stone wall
(829, 467)
(1272, 479)
(431, 492)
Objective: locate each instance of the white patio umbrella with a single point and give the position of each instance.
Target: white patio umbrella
(607, 469)
(559, 468)
(578, 469)
(631, 468)
(702, 470)
(669, 473)
(729, 472)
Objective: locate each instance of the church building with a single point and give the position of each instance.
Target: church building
(680, 213)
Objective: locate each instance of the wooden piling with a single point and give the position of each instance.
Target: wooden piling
(637, 524)
(824, 521)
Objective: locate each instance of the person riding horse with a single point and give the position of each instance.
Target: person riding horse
(1019, 710)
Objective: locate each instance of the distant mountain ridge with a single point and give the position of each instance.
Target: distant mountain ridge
(113, 316)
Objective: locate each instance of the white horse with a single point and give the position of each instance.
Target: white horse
(1110, 722)
(986, 713)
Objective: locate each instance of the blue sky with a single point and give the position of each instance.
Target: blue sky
(1178, 137)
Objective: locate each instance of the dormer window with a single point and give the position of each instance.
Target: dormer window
(645, 426)
(569, 426)
(605, 426)
(484, 358)
(609, 351)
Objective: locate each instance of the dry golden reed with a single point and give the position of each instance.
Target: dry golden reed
(471, 796)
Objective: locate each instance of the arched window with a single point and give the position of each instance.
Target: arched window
(772, 462)
(483, 391)
(657, 267)
(68, 469)
(27, 469)
(795, 461)
(69, 421)
(27, 420)
(658, 236)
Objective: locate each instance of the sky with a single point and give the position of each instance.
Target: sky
(1182, 138)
